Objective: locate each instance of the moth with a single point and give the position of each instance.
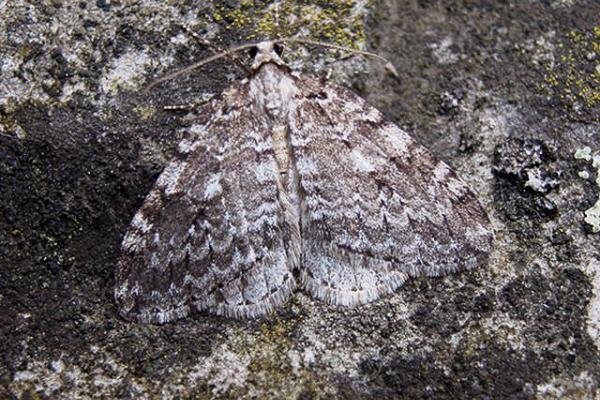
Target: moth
(286, 182)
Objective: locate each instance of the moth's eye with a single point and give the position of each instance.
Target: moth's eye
(278, 49)
(253, 52)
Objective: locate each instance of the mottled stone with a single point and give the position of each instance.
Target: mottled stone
(80, 148)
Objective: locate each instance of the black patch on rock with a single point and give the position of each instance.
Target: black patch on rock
(65, 202)
(481, 366)
(524, 172)
(103, 5)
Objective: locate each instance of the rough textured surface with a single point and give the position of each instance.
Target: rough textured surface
(506, 93)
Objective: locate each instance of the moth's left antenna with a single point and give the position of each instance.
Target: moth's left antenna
(198, 65)
(214, 47)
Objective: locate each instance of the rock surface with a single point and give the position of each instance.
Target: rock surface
(506, 92)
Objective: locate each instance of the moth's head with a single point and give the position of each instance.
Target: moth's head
(266, 52)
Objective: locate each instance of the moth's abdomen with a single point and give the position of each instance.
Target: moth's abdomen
(288, 193)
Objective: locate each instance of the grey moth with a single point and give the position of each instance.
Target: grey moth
(285, 182)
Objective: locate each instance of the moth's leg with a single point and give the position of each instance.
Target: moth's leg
(189, 107)
(184, 107)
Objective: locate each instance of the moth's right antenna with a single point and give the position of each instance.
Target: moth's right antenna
(388, 65)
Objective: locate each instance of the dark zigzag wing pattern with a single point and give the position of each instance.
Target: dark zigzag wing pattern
(209, 235)
(377, 206)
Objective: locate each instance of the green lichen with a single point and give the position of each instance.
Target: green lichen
(269, 349)
(585, 153)
(341, 21)
(574, 77)
(592, 215)
(144, 112)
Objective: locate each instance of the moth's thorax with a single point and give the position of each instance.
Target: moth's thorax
(273, 90)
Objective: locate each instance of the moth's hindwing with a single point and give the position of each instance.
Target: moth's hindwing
(377, 207)
(209, 235)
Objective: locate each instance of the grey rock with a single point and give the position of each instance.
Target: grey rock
(81, 145)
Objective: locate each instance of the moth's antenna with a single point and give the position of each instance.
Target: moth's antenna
(198, 65)
(214, 47)
(388, 65)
